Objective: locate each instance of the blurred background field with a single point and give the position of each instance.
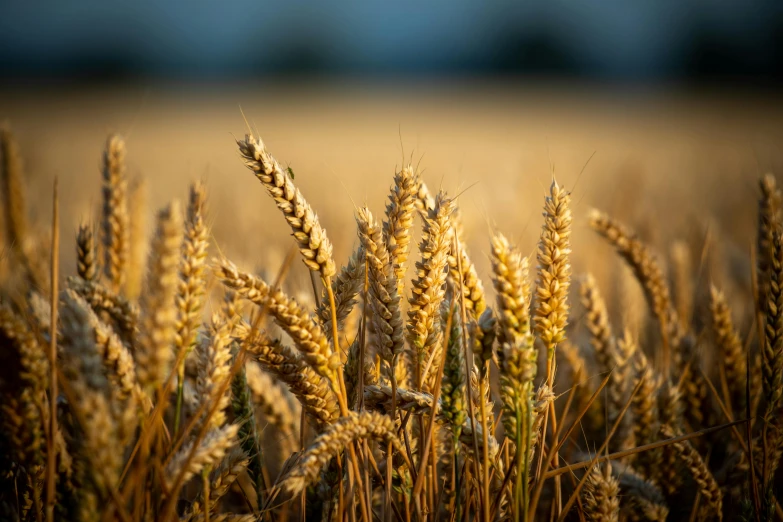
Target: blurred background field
(669, 162)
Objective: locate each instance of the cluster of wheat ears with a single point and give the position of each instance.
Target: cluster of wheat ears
(125, 398)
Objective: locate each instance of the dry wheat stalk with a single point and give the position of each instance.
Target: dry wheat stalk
(86, 262)
(338, 436)
(137, 237)
(307, 230)
(116, 226)
(306, 333)
(273, 402)
(708, 487)
(649, 274)
(517, 354)
(769, 220)
(597, 322)
(210, 451)
(345, 287)
(645, 414)
(384, 301)
(399, 221)
(428, 289)
(312, 390)
(601, 496)
(731, 350)
(453, 395)
(773, 343)
(29, 404)
(101, 299)
(192, 270)
(159, 313)
(641, 500)
(117, 359)
(554, 272)
(214, 362)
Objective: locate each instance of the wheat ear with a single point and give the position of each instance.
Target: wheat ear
(601, 496)
(210, 451)
(708, 487)
(28, 404)
(730, 346)
(306, 333)
(86, 262)
(428, 289)
(399, 221)
(384, 301)
(554, 273)
(769, 220)
(346, 430)
(115, 213)
(312, 390)
(124, 314)
(345, 287)
(649, 274)
(773, 342)
(311, 237)
(192, 270)
(159, 313)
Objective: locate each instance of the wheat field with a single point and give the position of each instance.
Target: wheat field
(470, 302)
